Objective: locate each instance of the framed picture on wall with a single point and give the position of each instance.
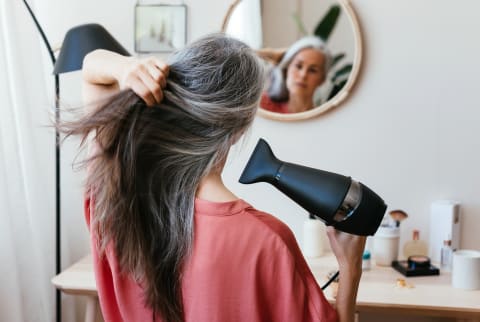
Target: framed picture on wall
(160, 28)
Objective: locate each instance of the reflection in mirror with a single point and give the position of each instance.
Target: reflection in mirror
(309, 75)
(294, 81)
(245, 22)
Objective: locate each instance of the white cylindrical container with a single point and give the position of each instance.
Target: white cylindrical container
(366, 261)
(466, 269)
(313, 237)
(385, 245)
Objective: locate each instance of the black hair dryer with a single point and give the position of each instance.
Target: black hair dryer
(337, 200)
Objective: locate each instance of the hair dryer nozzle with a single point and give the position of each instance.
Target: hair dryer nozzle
(262, 166)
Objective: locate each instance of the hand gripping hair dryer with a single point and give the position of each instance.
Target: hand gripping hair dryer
(338, 200)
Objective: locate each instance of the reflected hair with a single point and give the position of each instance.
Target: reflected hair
(277, 89)
(149, 161)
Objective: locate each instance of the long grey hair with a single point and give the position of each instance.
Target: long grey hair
(277, 88)
(151, 161)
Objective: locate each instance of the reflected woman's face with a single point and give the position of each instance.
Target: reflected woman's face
(306, 72)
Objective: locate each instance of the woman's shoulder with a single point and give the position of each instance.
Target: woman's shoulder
(268, 104)
(272, 226)
(240, 220)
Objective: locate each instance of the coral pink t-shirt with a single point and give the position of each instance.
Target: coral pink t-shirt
(246, 266)
(278, 107)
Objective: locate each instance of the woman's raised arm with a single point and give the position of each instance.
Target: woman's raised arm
(105, 73)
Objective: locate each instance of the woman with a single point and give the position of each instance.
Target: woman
(170, 242)
(296, 77)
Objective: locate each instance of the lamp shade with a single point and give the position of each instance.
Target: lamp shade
(81, 40)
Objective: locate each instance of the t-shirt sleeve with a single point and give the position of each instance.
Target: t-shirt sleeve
(267, 104)
(289, 285)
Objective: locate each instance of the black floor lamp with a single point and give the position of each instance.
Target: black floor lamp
(78, 42)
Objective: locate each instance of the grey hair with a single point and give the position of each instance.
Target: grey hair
(277, 88)
(151, 160)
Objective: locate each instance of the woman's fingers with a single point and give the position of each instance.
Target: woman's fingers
(146, 78)
(153, 86)
(159, 71)
(138, 86)
(347, 248)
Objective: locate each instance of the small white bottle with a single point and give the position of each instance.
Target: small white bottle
(366, 260)
(313, 236)
(446, 255)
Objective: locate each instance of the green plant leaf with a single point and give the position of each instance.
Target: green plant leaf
(336, 88)
(336, 59)
(327, 23)
(345, 70)
(298, 21)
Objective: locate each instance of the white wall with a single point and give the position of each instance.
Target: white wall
(409, 131)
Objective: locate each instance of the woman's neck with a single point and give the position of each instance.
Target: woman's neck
(212, 188)
(298, 104)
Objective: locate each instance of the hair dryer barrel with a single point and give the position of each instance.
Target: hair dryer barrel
(336, 199)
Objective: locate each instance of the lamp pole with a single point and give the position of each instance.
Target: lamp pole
(58, 248)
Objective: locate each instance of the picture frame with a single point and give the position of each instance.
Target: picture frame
(160, 27)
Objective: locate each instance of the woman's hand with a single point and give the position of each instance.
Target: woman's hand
(348, 248)
(105, 72)
(146, 77)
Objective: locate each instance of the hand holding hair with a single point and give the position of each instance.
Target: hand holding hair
(105, 72)
(146, 77)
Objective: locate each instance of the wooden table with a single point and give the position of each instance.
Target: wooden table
(430, 295)
(79, 279)
(423, 296)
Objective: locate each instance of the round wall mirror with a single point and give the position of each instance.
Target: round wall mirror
(313, 50)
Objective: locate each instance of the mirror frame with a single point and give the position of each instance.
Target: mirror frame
(343, 93)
